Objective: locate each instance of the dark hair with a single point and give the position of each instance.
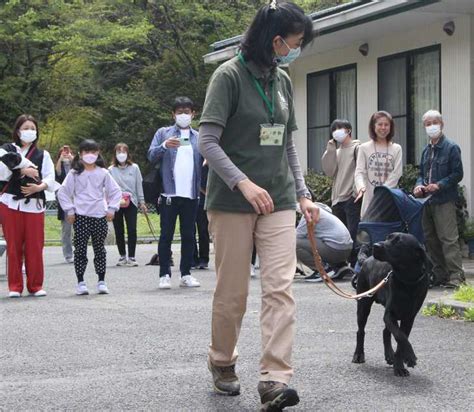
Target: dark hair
(118, 146)
(373, 119)
(287, 18)
(341, 124)
(18, 123)
(87, 145)
(182, 102)
(61, 151)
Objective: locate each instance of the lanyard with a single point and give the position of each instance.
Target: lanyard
(270, 105)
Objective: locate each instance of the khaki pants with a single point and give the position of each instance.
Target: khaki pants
(442, 241)
(275, 239)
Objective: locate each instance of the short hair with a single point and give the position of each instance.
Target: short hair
(182, 102)
(432, 114)
(373, 119)
(281, 19)
(341, 124)
(18, 123)
(119, 146)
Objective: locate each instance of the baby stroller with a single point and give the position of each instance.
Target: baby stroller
(391, 210)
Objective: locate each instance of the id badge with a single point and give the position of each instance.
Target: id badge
(271, 134)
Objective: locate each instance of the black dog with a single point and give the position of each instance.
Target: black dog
(402, 296)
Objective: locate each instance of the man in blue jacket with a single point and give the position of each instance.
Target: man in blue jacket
(176, 147)
(440, 172)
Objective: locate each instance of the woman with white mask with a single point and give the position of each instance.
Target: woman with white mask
(22, 206)
(128, 176)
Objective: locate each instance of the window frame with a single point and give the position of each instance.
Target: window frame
(410, 120)
(332, 99)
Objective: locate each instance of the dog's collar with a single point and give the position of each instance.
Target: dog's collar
(409, 283)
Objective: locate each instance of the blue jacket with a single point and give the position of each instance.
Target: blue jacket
(157, 152)
(447, 170)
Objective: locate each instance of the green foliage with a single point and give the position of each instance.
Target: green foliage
(320, 186)
(447, 312)
(465, 293)
(409, 176)
(469, 315)
(468, 232)
(431, 310)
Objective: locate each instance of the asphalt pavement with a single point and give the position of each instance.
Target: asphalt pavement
(141, 348)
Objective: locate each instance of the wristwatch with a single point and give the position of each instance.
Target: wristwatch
(307, 195)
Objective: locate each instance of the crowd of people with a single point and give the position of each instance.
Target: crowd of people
(240, 177)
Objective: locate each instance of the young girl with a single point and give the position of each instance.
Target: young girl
(379, 161)
(90, 197)
(128, 177)
(22, 206)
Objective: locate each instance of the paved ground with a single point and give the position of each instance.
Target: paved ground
(140, 348)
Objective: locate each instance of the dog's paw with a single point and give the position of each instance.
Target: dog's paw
(358, 358)
(410, 360)
(390, 357)
(401, 372)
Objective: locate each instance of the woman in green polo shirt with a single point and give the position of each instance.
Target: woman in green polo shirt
(255, 181)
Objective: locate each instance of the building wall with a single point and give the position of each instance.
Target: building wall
(457, 83)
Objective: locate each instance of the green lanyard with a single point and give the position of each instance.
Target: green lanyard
(270, 105)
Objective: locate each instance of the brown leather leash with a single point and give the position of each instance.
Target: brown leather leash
(328, 281)
(150, 225)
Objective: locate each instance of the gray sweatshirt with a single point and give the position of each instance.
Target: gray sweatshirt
(130, 180)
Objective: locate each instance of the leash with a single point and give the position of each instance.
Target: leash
(329, 282)
(150, 225)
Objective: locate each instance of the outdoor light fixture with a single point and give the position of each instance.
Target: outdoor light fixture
(364, 49)
(449, 28)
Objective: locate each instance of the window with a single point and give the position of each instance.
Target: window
(409, 84)
(331, 95)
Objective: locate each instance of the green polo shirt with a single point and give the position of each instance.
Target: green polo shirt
(233, 101)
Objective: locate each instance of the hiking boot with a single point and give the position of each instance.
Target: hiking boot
(225, 379)
(275, 396)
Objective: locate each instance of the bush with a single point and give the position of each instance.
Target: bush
(320, 186)
(408, 179)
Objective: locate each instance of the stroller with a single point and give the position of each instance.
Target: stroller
(391, 210)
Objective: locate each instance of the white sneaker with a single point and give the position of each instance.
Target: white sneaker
(122, 261)
(189, 281)
(102, 288)
(132, 262)
(165, 282)
(13, 294)
(69, 260)
(81, 289)
(252, 271)
(40, 293)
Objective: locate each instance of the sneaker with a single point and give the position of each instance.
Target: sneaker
(102, 288)
(275, 396)
(13, 294)
(122, 261)
(165, 282)
(69, 260)
(452, 284)
(188, 281)
(132, 262)
(225, 379)
(203, 265)
(252, 271)
(81, 289)
(313, 278)
(39, 293)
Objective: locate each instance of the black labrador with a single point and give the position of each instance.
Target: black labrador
(404, 258)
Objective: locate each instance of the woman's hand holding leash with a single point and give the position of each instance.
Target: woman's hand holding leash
(258, 197)
(309, 210)
(143, 207)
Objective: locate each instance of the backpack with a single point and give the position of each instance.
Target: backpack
(153, 185)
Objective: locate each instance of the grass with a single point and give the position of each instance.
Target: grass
(469, 315)
(52, 226)
(465, 293)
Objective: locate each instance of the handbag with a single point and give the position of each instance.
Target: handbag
(125, 201)
(153, 185)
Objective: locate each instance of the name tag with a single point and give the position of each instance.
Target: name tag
(271, 135)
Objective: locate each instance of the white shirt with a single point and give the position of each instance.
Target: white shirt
(184, 168)
(47, 173)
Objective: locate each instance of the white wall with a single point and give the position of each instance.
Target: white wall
(457, 82)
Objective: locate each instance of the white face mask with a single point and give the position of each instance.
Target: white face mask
(433, 131)
(121, 157)
(339, 135)
(183, 120)
(28, 136)
(89, 158)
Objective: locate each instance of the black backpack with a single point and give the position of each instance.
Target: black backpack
(153, 185)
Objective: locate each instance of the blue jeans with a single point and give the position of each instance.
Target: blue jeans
(170, 209)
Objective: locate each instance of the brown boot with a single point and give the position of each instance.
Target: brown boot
(225, 379)
(276, 395)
